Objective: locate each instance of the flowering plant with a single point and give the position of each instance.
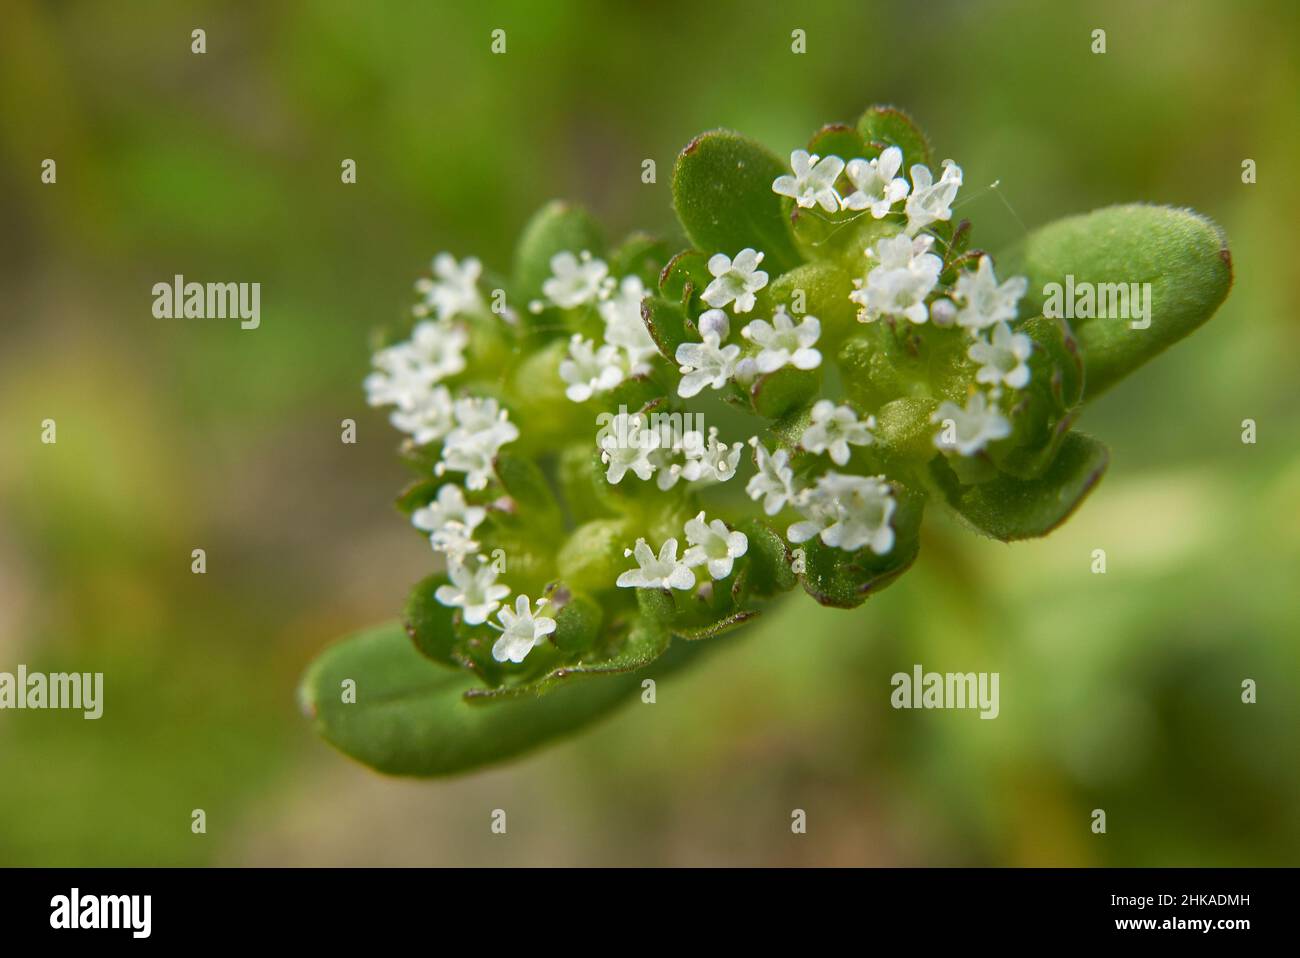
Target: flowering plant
(623, 451)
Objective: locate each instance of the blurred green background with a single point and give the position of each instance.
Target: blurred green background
(1119, 691)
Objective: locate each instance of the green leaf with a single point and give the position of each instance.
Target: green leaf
(411, 717)
(640, 255)
(429, 623)
(417, 495)
(777, 393)
(1007, 508)
(527, 486)
(1181, 254)
(722, 193)
(768, 567)
(556, 227)
(825, 290)
(885, 126)
(845, 580)
(647, 639)
(577, 623)
(713, 629)
(685, 277)
(837, 139)
(667, 324)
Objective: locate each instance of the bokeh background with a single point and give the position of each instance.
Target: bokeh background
(1119, 691)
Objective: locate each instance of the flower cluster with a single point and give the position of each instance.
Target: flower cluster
(853, 427)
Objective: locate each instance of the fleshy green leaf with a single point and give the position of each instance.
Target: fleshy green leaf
(722, 192)
(777, 393)
(1007, 508)
(843, 579)
(767, 570)
(1181, 254)
(667, 324)
(886, 126)
(685, 277)
(640, 255)
(429, 623)
(410, 717)
(556, 227)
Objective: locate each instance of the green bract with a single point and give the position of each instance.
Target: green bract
(621, 452)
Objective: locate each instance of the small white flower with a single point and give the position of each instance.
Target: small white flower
(714, 545)
(931, 201)
(453, 540)
(521, 631)
(453, 291)
(1002, 361)
(735, 280)
(474, 591)
(589, 370)
(878, 184)
(973, 427)
(813, 182)
(575, 279)
(783, 343)
(711, 461)
(405, 372)
(943, 313)
(449, 506)
(905, 274)
(774, 481)
(626, 445)
(428, 419)
(624, 327)
(714, 322)
(663, 572)
(482, 428)
(834, 428)
(984, 302)
(847, 512)
(705, 364)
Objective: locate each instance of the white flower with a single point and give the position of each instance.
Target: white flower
(521, 632)
(624, 327)
(453, 540)
(971, 428)
(931, 201)
(735, 280)
(589, 370)
(714, 545)
(1002, 361)
(625, 446)
(813, 183)
(482, 428)
(774, 481)
(475, 591)
(711, 461)
(454, 289)
(878, 184)
(943, 313)
(575, 280)
(984, 302)
(847, 512)
(664, 572)
(905, 274)
(834, 428)
(784, 343)
(450, 522)
(405, 372)
(449, 508)
(714, 322)
(705, 364)
(428, 419)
